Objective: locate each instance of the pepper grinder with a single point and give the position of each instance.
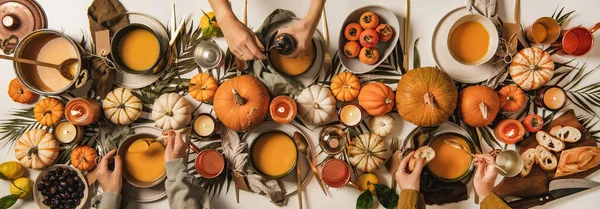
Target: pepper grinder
(284, 44)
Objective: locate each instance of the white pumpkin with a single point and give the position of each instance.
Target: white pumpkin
(36, 149)
(122, 107)
(316, 105)
(382, 125)
(531, 68)
(171, 111)
(367, 152)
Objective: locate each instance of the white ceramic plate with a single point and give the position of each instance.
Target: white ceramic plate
(310, 76)
(150, 194)
(38, 197)
(136, 81)
(385, 48)
(458, 71)
(288, 182)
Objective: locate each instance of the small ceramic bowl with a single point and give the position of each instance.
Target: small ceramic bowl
(38, 197)
(489, 27)
(123, 150)
(114, 48)
(253, 150)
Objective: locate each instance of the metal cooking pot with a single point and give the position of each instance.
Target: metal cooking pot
(81, 75)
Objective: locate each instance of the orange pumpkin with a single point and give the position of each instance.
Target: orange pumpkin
(203, 87)
(345, 86)
(283, 109)
(531, 68)
(512, 98)
(19, 93)
(48, 111)
(376, 98)
(241, 103)
(426, 96)
(478, 105)
(84, 158)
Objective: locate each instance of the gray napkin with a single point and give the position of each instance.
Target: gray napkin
(276, 83)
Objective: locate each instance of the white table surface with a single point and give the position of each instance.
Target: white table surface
(71, 17)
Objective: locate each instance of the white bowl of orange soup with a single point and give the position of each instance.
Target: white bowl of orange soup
(450, 164)
(143, 166)
(136, 49)
(273, 154)
(473, 39)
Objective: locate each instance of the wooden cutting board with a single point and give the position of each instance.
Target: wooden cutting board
(536, 183)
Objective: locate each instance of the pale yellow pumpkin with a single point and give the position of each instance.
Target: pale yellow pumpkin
(36, 149)
(531, 68)
(367, 152)
(122, 107)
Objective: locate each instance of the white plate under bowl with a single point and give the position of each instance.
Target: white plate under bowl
(385, 48)
(137, 81)
(150, 194)
(441, 53)
(38, 197)
(288, 182)
(310, 76)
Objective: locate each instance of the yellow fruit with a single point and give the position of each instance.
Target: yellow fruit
(205, 20)
(12, 170)
(22, 187)
(366, 181)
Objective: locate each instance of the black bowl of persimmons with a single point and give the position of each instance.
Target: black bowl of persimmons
(363, 36)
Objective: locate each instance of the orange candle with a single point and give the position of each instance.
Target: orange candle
(83, 111)
(350, 115)
(283, 109)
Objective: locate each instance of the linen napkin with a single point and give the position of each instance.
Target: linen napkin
(277, 83)
(437, 192)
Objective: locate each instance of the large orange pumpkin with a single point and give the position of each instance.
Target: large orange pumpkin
(48, 111)
(478, 105)
(531, 68)
(241, 103)
(19, 93)
(376, 98)
(203, 87)
(345, 86)
(84, 158)
(426, 96)
(512, 98)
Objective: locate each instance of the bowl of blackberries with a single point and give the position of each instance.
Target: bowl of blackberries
(60, 187)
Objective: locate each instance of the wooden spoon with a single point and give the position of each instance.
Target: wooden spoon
(302, 145)
(460, 146)
(64, 67)
(143, 148)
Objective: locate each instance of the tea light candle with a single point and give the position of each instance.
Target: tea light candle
(283, 109)
(83, 111)
(552, 97)
(205, 125)
(350, 115)
(66, 132)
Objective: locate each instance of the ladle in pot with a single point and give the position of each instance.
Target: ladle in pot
(64, 67)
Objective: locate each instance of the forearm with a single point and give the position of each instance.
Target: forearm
(314, 12)
(181, 192)
(109, 200)
(411, 199)
(492, 201)
(222, 10)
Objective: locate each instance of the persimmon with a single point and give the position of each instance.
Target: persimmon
(351, 49)
(352, 31)
(369, 38)
(369, 20)
(385, 32)
(369, 56)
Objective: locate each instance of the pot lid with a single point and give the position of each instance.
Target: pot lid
(19, 18)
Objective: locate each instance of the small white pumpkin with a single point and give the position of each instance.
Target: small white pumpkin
(36, 149)
(122, 107)
(171, 111)
(367, 152)
(316, 105)
(382, 125)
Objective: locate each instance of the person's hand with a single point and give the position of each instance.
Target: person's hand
(409, 180)
(303, 31)
(485, 176)
(110, 181)
(175, 146)
(242, 42)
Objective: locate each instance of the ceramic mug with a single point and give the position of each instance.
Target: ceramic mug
(577, 41)
(336, 174)
(548, 26)
(209, 163)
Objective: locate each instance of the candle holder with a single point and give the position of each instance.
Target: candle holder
(346, 115)
(83, 111)
(66, 132)
(332, 140)
(551, 97)
(196, 127)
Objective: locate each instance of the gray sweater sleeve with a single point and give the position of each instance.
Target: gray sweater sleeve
(109, 200)
(181, 192)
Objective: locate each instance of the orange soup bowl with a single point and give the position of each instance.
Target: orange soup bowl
(143, 169)
(273, 154)
(209, 163)
(450, 164)
(137, 49)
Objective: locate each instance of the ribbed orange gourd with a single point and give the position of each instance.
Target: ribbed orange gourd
(241, 103)
(345, 86)
(376, 98)
(478, 105)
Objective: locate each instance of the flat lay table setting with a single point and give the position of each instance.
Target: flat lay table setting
(517, 79)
